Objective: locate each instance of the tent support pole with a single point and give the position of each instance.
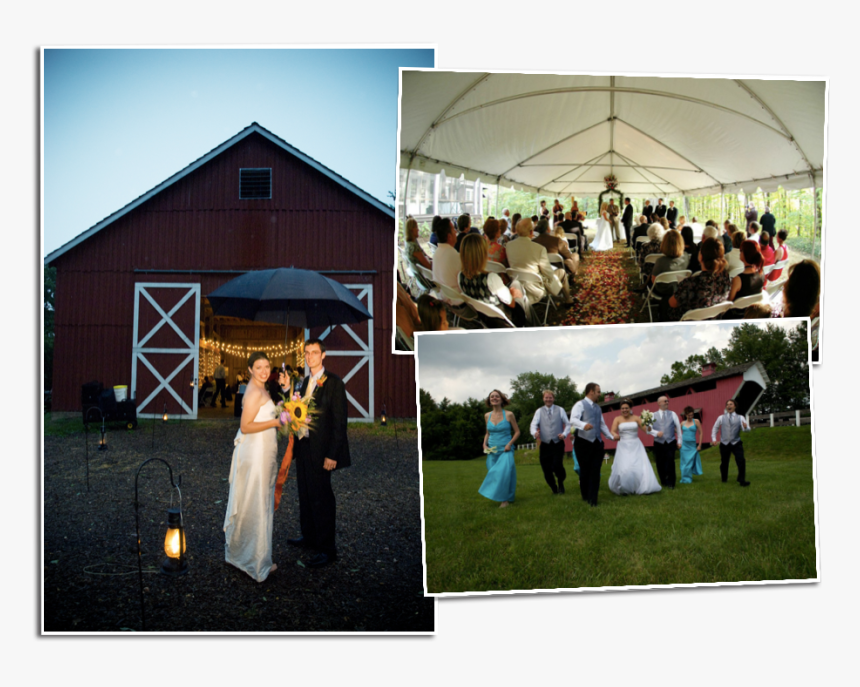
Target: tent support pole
(498, 179)
(406, 186)
(722, 204)
(814, 213)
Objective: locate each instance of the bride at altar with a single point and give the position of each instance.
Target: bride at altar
(631, 470)
(603, 237)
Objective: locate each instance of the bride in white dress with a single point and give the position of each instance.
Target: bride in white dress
(253, 472)
(603, 237)
(631, 470)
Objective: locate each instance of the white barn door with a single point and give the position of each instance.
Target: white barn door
(165, 349)
(349, 354)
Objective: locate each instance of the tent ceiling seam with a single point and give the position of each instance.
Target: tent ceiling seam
(573, 181)
(553, 145)
(785, 129)
(639, 172)
(558, 178)
(599, 89)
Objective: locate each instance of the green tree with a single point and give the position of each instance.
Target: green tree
(692, 366)
(48, 317)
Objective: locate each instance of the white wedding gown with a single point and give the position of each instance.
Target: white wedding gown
(603, 237)
(251, 504)
(631, 471)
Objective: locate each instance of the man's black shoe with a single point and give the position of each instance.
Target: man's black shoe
(744, 484)
(301, 542)
(560, 488)
(322, 559)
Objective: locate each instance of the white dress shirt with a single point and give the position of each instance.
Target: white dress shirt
(559, 413)
(678, 433)
(576, 420)
(744, 427)
(446, 266)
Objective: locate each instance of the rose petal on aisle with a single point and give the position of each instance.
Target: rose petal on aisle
(601, 295)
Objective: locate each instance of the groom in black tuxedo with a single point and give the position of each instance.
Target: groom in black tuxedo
(318, 455)
(627, 219)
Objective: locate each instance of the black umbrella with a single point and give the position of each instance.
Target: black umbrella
(297, 298)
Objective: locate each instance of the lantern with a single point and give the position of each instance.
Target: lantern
(164, 416)
(383, 418)
(174, 545)
(103, 439)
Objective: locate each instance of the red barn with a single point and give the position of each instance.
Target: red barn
(131, 305)
(706, 394)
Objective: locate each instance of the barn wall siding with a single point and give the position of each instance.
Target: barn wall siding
(199, 223)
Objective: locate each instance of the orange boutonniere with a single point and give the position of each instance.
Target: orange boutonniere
(321, 381)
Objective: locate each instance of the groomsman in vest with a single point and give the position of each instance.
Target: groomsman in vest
(730, 425)
(587, 418)
(550, 427)
(667, 437)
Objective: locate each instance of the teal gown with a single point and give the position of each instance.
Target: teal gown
(575, 461)
(691, 461)
(500, 484)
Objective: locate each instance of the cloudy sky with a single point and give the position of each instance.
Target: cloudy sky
(118, 122)
(629, 358)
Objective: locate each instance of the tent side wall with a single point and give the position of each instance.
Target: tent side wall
(199, 226)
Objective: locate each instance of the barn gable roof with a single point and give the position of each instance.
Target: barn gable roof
(252, 129)
(727, 372)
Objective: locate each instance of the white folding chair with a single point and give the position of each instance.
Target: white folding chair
(708, 313)
(782, 264)
(662, 278)
(556, 259)
(405, 341)
(497, 267)
(424, 272)
(527, 277)
(489, 311)
(457, 307)
(774, 287)
(649, 259)
(413, 284)
(813, 328)
(746, 301)
(735, 272)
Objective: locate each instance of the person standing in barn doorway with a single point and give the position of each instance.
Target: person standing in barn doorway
(220, 376)
(323, 451)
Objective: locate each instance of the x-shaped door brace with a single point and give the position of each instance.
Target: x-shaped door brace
(164, 383)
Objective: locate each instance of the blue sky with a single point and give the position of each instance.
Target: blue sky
(621, 358)
(119, 122)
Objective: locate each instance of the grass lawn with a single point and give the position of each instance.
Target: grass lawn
(701, 532)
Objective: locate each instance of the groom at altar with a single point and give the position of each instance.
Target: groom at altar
(667, 436)
(324, 450)
(550, 426)
(587, 418)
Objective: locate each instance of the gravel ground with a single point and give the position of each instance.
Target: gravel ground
(91, 581)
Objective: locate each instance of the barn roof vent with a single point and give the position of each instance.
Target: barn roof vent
(255, 182)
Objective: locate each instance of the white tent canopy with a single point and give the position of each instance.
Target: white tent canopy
(562, 134)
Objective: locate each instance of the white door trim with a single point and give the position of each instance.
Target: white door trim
(190, 352)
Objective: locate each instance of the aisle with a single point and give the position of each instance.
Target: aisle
(601, 291)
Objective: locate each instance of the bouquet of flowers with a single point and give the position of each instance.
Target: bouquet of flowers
(492, 449)
(296, 414)
(611, 181)
(647, 417)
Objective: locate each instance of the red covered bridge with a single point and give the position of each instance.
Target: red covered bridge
(131, 304)
(706, 394)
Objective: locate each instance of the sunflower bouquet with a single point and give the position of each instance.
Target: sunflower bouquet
(296, 414)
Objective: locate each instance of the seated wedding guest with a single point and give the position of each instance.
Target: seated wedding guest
(511, 231)
(682, 220)
(664, 222)
(535, 219)
(752, 230)
(758, 311)
(414, 251)
(474, 282)
(577, 227)
(768, 221)
(464, 226)
(690, 248)
(641, 230)
(434, 225)
(673, 259)
(655, 233)
(431, 312)
(708, 287)
(505, 221)
(750, 281)
(767, 251)
(554, 244)
(532, 257)
(446, 261)
(733, 259)
(780, 254)
(495, 250)
(800, 293)
(405, 312)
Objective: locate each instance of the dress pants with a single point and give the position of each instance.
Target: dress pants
(316, 504)
(551, 462)
(590, 456)
(220, 388)
(726, 451)
(664, 455)
(627, 229)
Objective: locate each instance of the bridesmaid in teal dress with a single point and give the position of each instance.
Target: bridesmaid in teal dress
(691, 444)
(500, 484)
